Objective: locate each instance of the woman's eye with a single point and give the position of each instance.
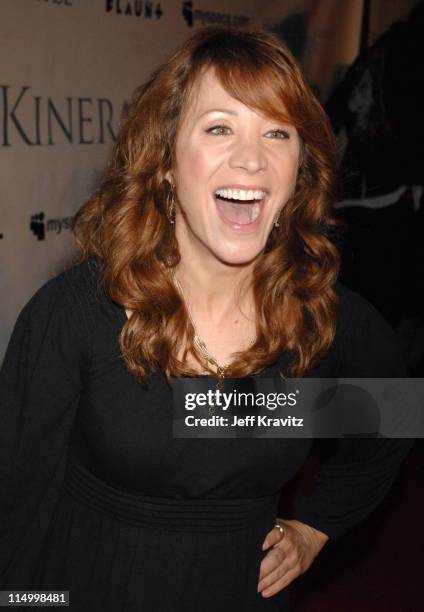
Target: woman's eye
(222, 130)
(218, 130)
(283, 134)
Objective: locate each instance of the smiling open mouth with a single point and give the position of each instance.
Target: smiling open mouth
(239, 206)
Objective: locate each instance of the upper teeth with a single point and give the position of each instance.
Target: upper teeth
(240, 194)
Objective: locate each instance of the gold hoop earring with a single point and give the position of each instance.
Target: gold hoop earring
(171, 209)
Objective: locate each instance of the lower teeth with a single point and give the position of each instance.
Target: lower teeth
(254, 213)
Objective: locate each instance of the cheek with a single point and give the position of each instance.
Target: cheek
(190, 174)
(199, 162)
(288, 171)
(204, 163)
(192, 179)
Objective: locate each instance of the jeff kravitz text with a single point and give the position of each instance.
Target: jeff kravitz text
(247, 421)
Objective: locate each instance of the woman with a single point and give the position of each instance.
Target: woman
(205, 251)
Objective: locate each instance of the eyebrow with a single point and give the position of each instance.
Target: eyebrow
(219, 110)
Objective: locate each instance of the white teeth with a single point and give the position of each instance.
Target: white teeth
(241, 194)
(254, 213)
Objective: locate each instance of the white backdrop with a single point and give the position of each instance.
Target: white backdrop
(66, 69)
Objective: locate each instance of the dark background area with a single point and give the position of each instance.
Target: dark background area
(376, 112)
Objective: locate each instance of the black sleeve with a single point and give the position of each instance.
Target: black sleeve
(356, 478)
(40, 383)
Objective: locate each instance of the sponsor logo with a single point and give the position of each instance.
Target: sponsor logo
(135, 8)
(72, 120)
(194, 17)
(39, 226)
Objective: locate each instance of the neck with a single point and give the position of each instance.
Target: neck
(213, 288)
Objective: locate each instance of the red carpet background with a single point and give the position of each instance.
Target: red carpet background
(376, 567)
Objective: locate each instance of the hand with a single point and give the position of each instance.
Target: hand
(290, 555)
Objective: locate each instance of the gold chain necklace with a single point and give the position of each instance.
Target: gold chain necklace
(221, 370)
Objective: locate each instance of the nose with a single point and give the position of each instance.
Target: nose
(247, 153)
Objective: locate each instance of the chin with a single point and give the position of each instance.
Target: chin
(238, 257)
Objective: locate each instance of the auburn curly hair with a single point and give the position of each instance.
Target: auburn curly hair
(125, 224)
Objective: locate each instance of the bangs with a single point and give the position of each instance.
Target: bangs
(261, 89)
(268, 87)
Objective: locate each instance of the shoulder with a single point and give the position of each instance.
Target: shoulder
(367, 345)
(83, 282)
(70, 300)
(354, 308)
(55, 326)
(69, 289)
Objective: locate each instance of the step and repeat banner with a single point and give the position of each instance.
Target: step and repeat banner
(67, 69)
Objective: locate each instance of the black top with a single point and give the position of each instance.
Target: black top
(98, 498)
